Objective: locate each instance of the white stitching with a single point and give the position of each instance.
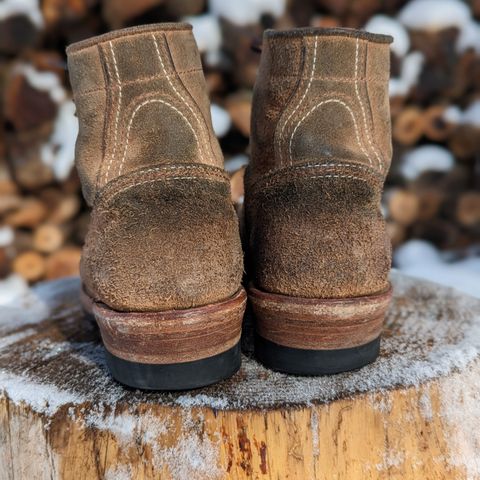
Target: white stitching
(301, 100)
(331, 100)
(312, 165)
(156, 180)
(164, 167)
(274, 173)
(177, 92)
(118, 111)
(340, 176)
(146, 102)
(380, 163)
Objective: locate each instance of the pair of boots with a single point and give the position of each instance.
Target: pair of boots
(162, 263)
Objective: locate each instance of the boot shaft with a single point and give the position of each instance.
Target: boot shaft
(141, 101)
(321, 148)
(321, 96)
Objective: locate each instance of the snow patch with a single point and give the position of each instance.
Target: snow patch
(187, 401)
(426, 158)
(426, 406)
(384, 24)
(42, 81)
(41, 398)
(208, 35)
(11, 289)
(411, 69)
(453, 114)
(460, 397)
(391, 459)
(421, 259)
(314, 425)
(471, 115)
(16, 337)
(194, 456)
(246, 12)
(469, 37)
(221, 120)
(119, 472)
(434, 14)
(410, 252)
(235, 163)
(59, 151)
(29, 8)
(7, 236)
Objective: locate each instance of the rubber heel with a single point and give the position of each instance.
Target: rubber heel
(304, 336)
(171, 350)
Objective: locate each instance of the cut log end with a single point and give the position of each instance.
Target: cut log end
(413, 414)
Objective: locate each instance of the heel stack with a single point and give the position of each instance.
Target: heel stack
(175, 349)
(306, 336)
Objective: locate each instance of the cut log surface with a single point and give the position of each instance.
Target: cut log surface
(413, 414)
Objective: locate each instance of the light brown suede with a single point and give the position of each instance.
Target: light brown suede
(163, 234)
(321, 148)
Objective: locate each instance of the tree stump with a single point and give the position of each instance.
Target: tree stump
(413, 414)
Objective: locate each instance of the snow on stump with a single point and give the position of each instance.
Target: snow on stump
(413, 414)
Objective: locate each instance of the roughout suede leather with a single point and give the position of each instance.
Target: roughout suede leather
(163, 234)
(321, 148)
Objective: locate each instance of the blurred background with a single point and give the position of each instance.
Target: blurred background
(432, 194)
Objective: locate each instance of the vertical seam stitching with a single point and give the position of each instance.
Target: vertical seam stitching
(299, 103)
(367, 133)
(117, 115)
(105, 127)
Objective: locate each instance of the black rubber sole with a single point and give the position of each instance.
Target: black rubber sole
(297, 361)
(176, 376)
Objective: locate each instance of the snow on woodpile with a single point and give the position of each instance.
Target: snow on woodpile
(386, 25)
(469, 116)
(434, 14)
(469, 37)
(426, 158)
(221, 120)
(208, 35)
(59, 151)
(235, 163)
(247, 11)
(410, 71)
(7, 236)
(28, 8)
(43, 81)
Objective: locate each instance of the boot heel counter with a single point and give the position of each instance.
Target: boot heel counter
(169, 240)
(321, 236)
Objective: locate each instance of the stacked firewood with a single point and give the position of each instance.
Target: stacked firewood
(433, 188)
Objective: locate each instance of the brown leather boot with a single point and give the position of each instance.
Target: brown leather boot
(321, 148)
(162, 263)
